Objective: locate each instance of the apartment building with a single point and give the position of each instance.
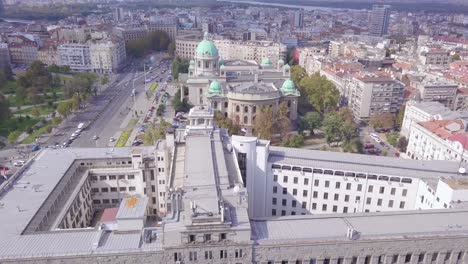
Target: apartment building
(23, 48)
(129, 34)
(372, 94)
(435, 57)
(170, 27)
(107, 56)
(77, 56)
(439, 140)
(48, 54)
(437, 88)
(5, 60)
(234, 50)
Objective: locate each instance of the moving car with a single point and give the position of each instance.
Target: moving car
(95, 137)
(111, 139)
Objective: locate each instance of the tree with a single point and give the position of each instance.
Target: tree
(54, 68)
(75, 102)
(178, 104)
(402, 144)
(179, 66)
(171, 49)
(263, 127)
(226, 123)
(332, 127)
(400, 116)
(282, 124)
(13, 136)
(4, 108)
(152, 133)
(64, 108)
(311, 121)
(383, 121)
(320, 92)
(393, 138)
(456, 57)
(56, 120)
(104, 80)
(35, 112)
(297, 73)
(294, 141)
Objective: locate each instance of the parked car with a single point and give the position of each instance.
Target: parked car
(18, 163)
(111, 139)
(369, 146)
(95, 137)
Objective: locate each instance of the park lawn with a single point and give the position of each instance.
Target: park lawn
(36, 133)
(153, 86)
(20, 124)
(43, 110)
(123, 138)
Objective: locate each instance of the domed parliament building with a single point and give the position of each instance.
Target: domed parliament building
(238, 88)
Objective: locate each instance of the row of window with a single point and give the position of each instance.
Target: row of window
(326, 208)
(404, 192)
(114, 189)
(112, 177)
(407, 258)
(106, 201)
(208, 254)
(370, 188)
(342, 173)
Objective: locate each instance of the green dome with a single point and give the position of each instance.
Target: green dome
(207, 47)
(288, 86)
(266, 62)
(221, 62)
(222, 67)
(215, 88)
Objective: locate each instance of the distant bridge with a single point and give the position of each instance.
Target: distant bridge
(21, 21)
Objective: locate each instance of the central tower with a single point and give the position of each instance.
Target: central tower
(206, 58)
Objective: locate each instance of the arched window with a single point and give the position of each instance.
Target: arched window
(237, 108)
(225, 114)
(215, 105)
(246, 109)
(254, 109)
(289, 103)
(225, 104)
(246, 119)
(199, 64)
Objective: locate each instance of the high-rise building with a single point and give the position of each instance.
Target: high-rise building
(298, 19)
(118, 14)
(379, 20)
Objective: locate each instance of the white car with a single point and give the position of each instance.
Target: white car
(18, 163)
(111, 139)
(95, 137)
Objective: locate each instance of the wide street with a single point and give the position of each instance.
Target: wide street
(106, 111)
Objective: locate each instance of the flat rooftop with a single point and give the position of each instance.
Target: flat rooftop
(389, 225)
(423, 169)
(23, 199)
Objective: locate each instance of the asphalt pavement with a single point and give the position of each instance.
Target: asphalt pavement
(378, 147)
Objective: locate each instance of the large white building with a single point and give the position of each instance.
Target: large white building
(96, 205)
(439, 140)
(76, 56)
(98, 56)
(107, 56)
(421, 111)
